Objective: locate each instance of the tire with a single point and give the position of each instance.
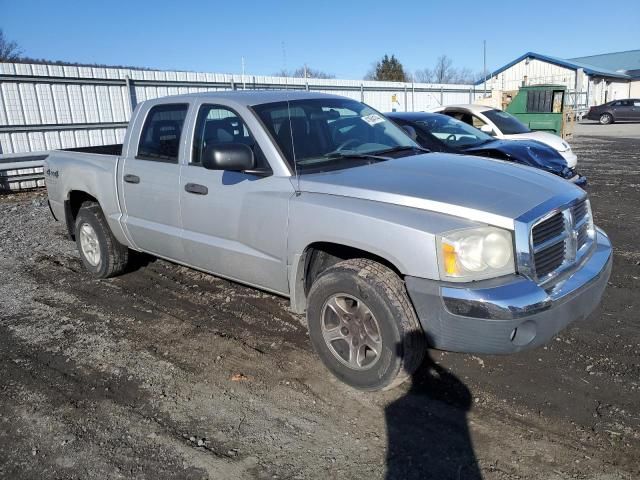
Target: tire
(391, 326)
(101, 254)
(606, 119)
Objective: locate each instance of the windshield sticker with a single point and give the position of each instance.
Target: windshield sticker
(373, 119)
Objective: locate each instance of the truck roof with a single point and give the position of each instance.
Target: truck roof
(247, 97)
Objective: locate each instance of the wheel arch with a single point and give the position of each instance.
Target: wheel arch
(74, 200)
(319, 256)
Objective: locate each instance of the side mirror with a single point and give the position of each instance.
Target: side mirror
(487, 129)
(409, 130)
(235, 157)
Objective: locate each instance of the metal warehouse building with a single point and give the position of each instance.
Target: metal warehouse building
(591, 80)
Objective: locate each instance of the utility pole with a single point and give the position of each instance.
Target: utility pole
(484, 65)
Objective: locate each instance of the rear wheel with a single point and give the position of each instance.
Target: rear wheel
(606, 119)
(363, 326)
(101, 254)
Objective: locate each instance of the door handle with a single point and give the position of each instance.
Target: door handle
(131, 178)
(196, 188)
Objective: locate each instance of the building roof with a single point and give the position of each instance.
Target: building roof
(573, 64)
(618, 61)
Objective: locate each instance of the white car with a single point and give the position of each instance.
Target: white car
(503, 125)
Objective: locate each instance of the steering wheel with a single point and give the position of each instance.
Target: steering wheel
(451, 138)
(346, 143)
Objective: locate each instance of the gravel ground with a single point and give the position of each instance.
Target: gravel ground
(165, 372)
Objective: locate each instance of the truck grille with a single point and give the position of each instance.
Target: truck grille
(560, 240)
(549, 244)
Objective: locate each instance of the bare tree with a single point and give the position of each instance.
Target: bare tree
(304, 72)
(423, 76)
(9, 51)
(445, 72)
(442, 72)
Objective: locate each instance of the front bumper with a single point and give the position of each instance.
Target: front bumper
(508, 314)
(570, 157)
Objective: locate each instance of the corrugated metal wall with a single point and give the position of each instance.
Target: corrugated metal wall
(43, 107)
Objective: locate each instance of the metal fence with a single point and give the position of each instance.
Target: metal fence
(44, 107)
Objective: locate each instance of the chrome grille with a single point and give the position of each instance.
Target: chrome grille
(581, 221)
(549, 244)
(549, 259)
(579, 211)
(560, 240)
(548, 229)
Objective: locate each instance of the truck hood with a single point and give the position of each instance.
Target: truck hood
(554, 141)
(483, 190)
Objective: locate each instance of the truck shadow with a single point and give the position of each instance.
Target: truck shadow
(138, 261)
(427, 430)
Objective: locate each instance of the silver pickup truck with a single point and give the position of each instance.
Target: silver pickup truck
(388, 249)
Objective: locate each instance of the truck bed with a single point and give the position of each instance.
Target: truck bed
(24, 171)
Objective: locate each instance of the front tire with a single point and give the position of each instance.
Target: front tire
(606, 119)
(363, 326)
(101, 254)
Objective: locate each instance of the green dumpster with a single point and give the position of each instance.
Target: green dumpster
(540, 107)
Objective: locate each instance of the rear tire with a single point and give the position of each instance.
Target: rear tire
(101, 254)
(363, 326)
(606, 119)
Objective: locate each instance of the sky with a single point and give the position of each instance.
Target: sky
(343, 38)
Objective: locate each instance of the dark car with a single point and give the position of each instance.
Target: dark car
(616, 111)
(441, 133)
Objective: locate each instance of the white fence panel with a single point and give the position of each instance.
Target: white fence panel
(44, 107)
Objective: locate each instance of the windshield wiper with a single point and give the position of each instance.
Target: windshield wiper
(401, 148)
(363, 156)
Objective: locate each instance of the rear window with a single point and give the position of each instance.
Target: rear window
(160, 138)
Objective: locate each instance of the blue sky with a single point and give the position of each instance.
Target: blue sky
(340, 37)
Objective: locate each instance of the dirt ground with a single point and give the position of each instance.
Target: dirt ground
(168, 373)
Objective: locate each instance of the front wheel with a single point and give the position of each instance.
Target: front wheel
(606, 119)
(363, 326)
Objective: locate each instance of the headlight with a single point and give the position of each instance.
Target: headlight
(475, 254)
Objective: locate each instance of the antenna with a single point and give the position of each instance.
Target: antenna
(293, 151)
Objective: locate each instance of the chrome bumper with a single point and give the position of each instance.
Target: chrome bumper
(511, 313)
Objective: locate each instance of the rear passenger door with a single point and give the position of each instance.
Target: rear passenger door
(150, 183)
(235, 223)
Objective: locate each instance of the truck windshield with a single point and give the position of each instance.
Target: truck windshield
(507, 123)
(316, 133)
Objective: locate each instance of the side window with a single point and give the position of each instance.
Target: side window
(477, 122)
(462, 116)
(160, 138)
(218, 125)
(616, 104)
(636, 103)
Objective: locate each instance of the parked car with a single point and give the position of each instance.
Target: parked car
(503, 125)
(440, 133)
(616, 111)
(321, 199)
